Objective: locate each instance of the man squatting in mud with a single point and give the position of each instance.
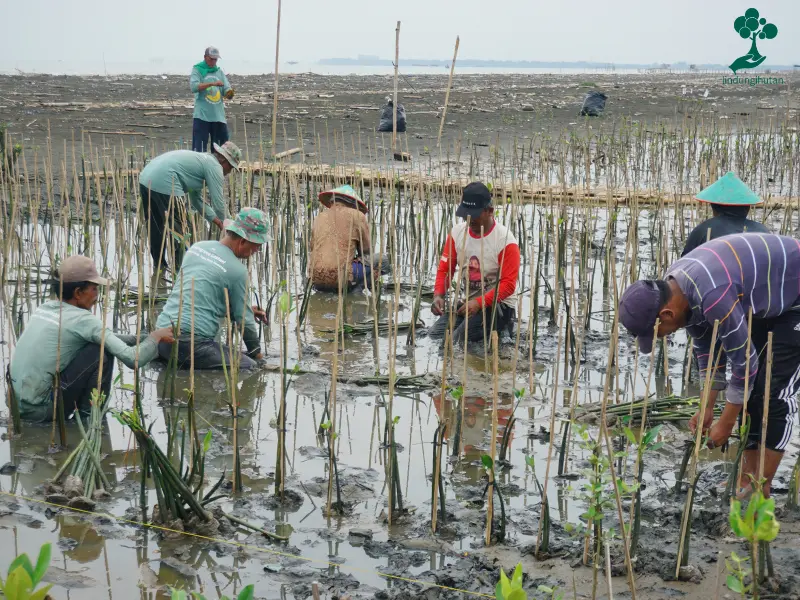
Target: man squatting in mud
(491, 294)
(723, 280)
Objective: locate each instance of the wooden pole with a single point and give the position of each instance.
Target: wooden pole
(275, 91)
(447, 95)
(394, 103)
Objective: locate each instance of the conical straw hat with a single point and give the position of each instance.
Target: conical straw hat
(346, 193)
(729, 190)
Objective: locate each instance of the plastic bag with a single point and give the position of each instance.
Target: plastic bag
(386, 118)
(594, 104)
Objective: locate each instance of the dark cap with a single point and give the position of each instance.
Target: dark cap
(474, 200)
(638, 311)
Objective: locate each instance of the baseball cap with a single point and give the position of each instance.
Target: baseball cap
(231, 153)
(212, 52)
(638, 311)
(251, 224)
(78, 268)
(474, 200)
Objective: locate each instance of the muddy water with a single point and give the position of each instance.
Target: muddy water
(98, 556)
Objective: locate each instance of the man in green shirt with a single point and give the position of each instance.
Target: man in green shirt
(177, 174)
(210, 271)
(209, 85)
(63, 337)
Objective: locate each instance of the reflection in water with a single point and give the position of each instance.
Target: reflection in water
(476, 429)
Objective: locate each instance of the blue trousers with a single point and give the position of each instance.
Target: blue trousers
(202, 130)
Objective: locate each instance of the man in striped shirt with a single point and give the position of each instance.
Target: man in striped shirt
(723, 280)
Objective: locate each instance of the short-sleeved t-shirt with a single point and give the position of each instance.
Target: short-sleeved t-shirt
(33, 366)
(208, 104)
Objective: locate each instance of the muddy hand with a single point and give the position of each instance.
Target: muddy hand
(165, 334)
(260, 315)
(437, 306)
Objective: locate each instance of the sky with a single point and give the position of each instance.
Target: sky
(613, 31)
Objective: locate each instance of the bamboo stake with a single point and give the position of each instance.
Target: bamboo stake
(764, 420)
(446, 95)
(275, 90)
(552, 432)
(492, 441)
(394, 104)
(698, 438)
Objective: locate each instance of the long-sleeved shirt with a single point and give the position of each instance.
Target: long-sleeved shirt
(214, 268)
(723, 279)
(33, 366)
(337, 233)
(500, 254)
(208, 104)
(183, 172)
(720, 225)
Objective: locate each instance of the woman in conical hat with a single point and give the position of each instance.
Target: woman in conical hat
(340, 243)
(730, 201)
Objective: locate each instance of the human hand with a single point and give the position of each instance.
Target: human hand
(260, 315)
(719, 433)
(229, 94)
(469, 308)
(218, 223)
(165, 334)
(437, 306)
(708, 419)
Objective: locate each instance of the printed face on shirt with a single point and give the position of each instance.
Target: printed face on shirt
(214, 93)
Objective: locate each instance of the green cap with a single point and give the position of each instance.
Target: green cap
(251, 224)
(729, 190)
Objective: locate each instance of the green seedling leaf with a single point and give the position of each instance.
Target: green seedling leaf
(18, 584)
(517, 595)
(487, 461)
(41, 593)
(396, 420)
(530, 461)
(734, 584)
(247, 593)
(505, 585)
(24, 562)
(545, 589)
(516, 580)
(207, 441)
(127, 386)
(629, 435)
(326, 425)
(42, 564)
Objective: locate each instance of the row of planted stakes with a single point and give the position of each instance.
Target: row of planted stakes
(576, 257)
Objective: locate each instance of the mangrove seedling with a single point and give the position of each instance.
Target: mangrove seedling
(737, 574)
(23, 577)
(510, 589)
(246, 594)
(648, 444)
(544, 546)
(552, 593)
(488, 464)
(758, 525)
(330, 437)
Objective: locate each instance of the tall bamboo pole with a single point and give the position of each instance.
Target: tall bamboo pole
(275, 91)
(447, 94)
(394, 106)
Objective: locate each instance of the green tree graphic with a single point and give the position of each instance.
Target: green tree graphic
(751, 26)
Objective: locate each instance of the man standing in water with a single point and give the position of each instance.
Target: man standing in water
(723, 280)
(730, 201)
(63, 337)
(209, 84)
(489, 251)
(214, 268)
(177, 174)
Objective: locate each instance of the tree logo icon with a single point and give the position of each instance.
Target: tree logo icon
(752, 26)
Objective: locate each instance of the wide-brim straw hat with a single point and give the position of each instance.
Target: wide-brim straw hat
(729, 190)
(345, 194)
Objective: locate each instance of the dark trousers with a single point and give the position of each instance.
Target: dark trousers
(202, 130)
(154, 208)
(784, 382)
(208, 355)
(77, 381)
(478, 325)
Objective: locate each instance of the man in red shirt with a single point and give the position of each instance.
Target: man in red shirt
(490, 253)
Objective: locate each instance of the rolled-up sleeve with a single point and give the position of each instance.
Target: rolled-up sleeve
(194, 81)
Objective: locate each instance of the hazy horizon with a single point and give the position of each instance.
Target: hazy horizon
(622, 31)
